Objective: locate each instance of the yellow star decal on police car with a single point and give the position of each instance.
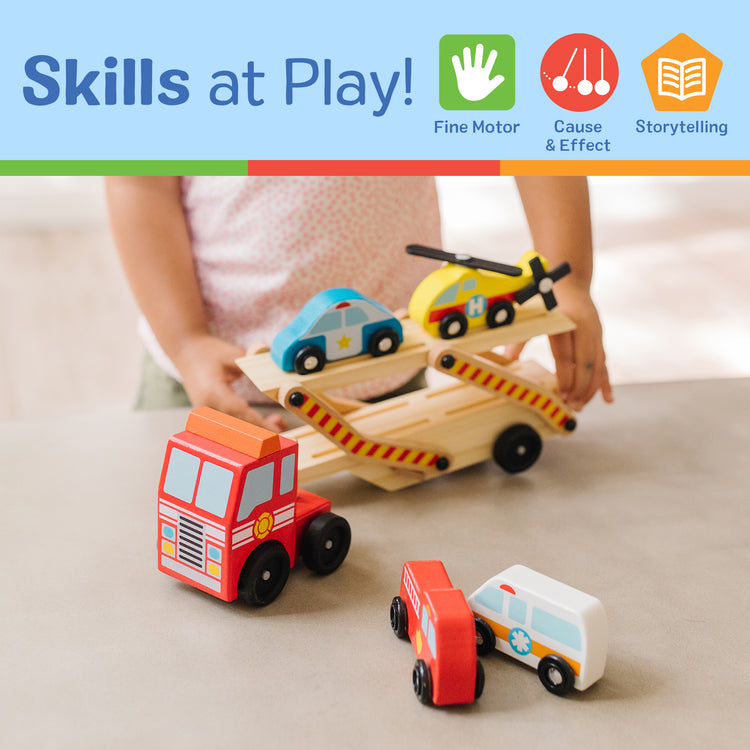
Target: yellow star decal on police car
(344, 342)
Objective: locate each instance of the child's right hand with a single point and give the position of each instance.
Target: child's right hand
(208, 368)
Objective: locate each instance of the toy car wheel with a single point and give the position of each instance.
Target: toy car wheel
(326, 543)
(399, 617)
(453, 325)
(384, 341)
(556, 674)
(500, 314)
(264, 574)
(479, 683)
(422, 682)
(517, 448)
(485, 636)
(309, 359)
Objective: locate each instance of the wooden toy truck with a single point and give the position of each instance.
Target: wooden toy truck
(440, 626)
(231, 518)
(488, 408)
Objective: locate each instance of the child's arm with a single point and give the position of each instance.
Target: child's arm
(557, 209)
(152, 237)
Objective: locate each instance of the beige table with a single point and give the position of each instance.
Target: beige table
(646, 506)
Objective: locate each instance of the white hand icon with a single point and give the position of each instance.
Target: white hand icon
(474, 82)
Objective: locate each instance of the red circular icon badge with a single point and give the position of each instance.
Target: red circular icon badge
(579, 72)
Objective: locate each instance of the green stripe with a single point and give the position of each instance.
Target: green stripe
(154, 167)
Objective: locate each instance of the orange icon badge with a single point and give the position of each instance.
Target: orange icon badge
(681, 75)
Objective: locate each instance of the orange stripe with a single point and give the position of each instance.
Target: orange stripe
(642, 167)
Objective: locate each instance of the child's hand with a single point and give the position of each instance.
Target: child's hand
(579, 354)
(208, 368)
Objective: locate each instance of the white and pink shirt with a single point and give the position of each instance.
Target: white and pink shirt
(264, 245)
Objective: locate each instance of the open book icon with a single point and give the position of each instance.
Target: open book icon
(682, 80)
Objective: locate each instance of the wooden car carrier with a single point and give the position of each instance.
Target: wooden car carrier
(489, 408)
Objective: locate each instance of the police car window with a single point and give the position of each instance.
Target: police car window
(469, 285)
(354, 316)
(258, 489)
(557, 628)
(329, 322)
(182, 472)
(517, 610)
(213, 489)
(492, 599)
(449, 295)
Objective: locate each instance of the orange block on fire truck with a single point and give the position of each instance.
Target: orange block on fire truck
(232, 521)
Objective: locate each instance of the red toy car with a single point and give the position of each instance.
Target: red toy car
(440, 625)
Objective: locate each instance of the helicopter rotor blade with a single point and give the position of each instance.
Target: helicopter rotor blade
(464, 260)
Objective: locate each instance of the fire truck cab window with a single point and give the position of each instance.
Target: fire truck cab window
(286, 483)
(213, 489)
(258, 489)
(182, 473)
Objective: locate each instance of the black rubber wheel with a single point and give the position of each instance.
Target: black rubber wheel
(453, 325)
(264, 574)
(517, 448)
(422, 682)
(399, 617)
(382, 342)
(479, 684)
(309, 359)
(500, 314)
(485, 637)
(326, 543)
(556, 674)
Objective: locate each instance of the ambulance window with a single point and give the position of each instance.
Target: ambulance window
(469, 285)
(286, 483)
(258, 489)
(354, 316)
(555, 627)
(329, 322)
(491, 598)
(213, 489)
(181, 475)
(448, 296)
(517, 609)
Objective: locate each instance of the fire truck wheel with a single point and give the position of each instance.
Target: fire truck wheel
(264, 574)
(309, 359)
(453, 325)
(517, 448)
(500, 314)
(485, 636)
(479, 683)
(384, 341)
(326, 543)
(422, 682)
(556, 674)
(399, 617)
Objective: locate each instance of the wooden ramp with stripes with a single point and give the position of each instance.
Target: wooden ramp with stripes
(442, 428)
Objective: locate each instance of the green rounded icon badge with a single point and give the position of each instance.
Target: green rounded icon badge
(477, 71)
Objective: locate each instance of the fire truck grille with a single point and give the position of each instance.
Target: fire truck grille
(191, 546)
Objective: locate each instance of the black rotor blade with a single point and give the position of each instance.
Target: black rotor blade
(464, 260)
(562, 270)
(525, 294)
(539, 286)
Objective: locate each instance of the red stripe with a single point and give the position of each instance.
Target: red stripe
(335, 429)
(365, 167)
(511, 389)
(555, 412)
(372, 450)
(346, 438)
(313, 410)
(418, 458)
(500, 384)
(359, 444)
(325, 420)
(546, 404)
(403, 455)
(535, 399)
(389, 451)
(523, 395)
(487, 379)
(463, 368)
(476, 374)
(433, 460)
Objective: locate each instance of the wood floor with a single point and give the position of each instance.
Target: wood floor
(672, 267)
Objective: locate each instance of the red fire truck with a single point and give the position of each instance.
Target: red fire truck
(232, 521)
(440, 625)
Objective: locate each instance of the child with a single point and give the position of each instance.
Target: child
(219, 263)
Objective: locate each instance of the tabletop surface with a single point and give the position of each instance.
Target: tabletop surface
(645, 506)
